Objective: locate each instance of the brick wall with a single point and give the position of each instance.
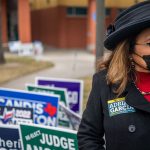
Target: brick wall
(53, 27)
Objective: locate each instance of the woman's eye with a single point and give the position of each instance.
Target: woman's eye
(148, 44)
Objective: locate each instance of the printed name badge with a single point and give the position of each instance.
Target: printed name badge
(119, 106)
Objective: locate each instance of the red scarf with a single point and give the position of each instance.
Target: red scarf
(143, 83)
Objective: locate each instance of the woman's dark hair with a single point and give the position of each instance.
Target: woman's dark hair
(131, 44)
(132, 41)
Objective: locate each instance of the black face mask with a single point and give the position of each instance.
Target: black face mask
(146, 58)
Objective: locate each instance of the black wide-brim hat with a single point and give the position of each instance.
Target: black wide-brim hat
(131, 21)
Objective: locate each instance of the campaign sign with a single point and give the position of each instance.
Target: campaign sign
(15, 115)
(9, 138)
(74, 118)
(63, 121)
(48, 90)
(74, 90)
(45, 107)
(35, 137)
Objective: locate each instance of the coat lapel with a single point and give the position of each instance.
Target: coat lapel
(135, 99)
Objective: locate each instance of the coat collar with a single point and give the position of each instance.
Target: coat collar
(135, 99)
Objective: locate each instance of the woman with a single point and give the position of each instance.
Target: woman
(117, 116)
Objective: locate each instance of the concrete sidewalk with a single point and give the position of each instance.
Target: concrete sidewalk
(68, 64)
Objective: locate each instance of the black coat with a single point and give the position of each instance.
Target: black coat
(124, 122)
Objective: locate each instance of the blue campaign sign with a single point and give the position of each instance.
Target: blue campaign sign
(74, 90)
(15, 115)
(9, 138)
(45, 106)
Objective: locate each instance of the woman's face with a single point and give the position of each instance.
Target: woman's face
(141, 48)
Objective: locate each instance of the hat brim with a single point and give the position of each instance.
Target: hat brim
(125, 32)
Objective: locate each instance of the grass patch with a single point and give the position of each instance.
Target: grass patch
(87, 88)
(17, 66)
